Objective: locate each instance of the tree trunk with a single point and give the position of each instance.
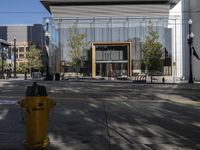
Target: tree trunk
(30, 70)
(76, 71)
(151, 77)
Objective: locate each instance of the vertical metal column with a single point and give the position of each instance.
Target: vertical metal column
(48, 77)
(190, 43)
(2, 62)
(14, 50)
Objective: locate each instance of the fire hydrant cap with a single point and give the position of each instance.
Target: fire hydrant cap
(36, 90)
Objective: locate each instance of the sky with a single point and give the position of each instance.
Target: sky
(22, 12)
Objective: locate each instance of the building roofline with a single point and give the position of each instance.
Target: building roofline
(17, 24)
(48, 3)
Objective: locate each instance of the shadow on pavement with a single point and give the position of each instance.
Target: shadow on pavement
(105, 116)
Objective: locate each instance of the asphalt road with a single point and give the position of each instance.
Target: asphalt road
(102, 115)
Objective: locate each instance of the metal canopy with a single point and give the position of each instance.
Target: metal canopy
(85, 8)
(95, 2)
(109, 10)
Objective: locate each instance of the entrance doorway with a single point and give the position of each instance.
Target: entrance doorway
(111, 59)
(111, 69)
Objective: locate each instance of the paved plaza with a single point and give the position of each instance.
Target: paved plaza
(108, 115)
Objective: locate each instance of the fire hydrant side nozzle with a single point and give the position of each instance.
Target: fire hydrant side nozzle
(37, 106)
(22, 103)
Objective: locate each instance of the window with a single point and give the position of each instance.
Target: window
(21, 56)
(27, 49)
(21, 49)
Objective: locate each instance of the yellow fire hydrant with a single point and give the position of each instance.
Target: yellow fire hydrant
(37, 107)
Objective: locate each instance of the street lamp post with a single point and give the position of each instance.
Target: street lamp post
(190, 43)
(14, 50)
(47, 49)
(2, 62)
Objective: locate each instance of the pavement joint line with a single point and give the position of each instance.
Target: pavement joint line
(107, 125)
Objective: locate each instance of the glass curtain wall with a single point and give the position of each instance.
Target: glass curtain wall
(117, 29)
(51, 50)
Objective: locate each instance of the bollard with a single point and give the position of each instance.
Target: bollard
(37, 106)
(163, 80)
(25, 75)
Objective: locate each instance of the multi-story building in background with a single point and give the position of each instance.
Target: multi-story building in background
(107, 22)
(25, 36)
(4, 57)
(127, 21)
(114, 22)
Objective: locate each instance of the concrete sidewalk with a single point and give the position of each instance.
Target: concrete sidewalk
(108, 116)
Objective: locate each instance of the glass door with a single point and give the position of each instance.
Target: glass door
(111, 69)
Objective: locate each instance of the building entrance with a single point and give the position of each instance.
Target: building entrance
(111, 59)
(111, 69)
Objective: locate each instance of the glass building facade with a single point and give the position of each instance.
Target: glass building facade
(114, 29)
